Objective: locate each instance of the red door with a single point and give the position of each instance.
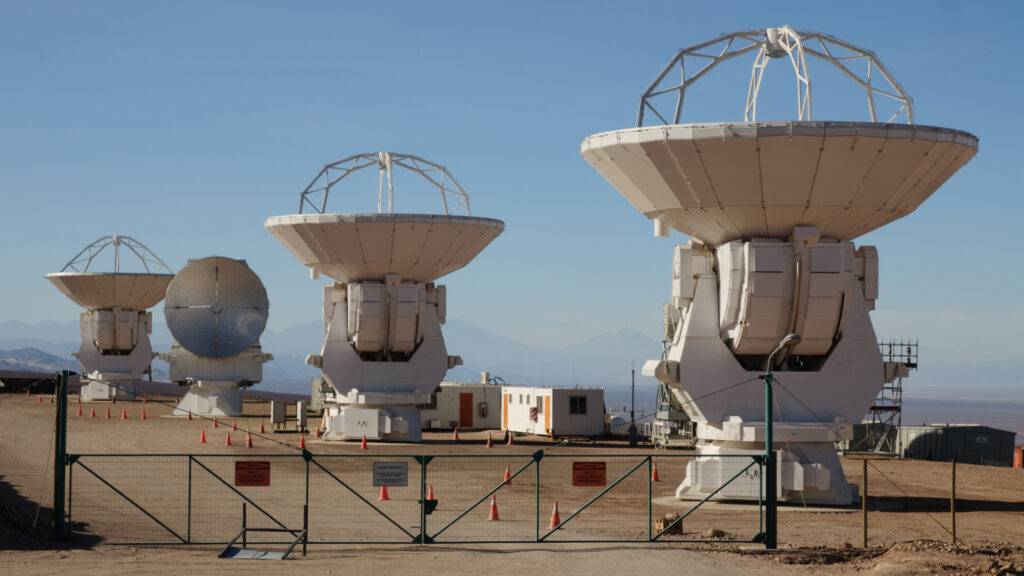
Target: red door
(465, 410)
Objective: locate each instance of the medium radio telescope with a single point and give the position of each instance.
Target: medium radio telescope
(771, 209)
(383, 352)
(115, 326)
(216, 309)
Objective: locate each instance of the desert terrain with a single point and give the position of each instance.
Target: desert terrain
(908, 508)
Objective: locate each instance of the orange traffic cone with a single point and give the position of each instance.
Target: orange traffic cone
(262, 429)
(494, 509)
(318, 434)
(28, 393)
(108, 411)
(455, 434)
(248, 439)
(144, 399)
(214, 421)
(383, 493)
(79, 410)
(363, 445)
(508, 475)
(430, 492)
(40, 399)
(202, 438)
(92, 412)
(234, 425)
(227, 439)
(51, 399)
(510, 436)
(302, 442)
(124, 413)
(189, 415)
(489, 443)
(654, 472)
(555, 518)
(143, 413)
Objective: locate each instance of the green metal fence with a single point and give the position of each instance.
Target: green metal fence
(339, 499)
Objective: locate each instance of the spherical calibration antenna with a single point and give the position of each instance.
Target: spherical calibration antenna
(216, 307)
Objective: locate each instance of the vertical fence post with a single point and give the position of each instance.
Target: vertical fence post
(60, 454)
(423, 501)
(71, 484)
(864, 501)
(952, 499)
(536, 500)
(188, 521)
(305, 505)
(650, 498)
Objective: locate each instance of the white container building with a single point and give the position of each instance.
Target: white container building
(552, 411)
(467, 405)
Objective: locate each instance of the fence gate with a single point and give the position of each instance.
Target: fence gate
(403, 499)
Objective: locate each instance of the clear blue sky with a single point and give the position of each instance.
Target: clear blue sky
(187, 124)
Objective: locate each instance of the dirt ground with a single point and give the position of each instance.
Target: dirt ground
(908, 517)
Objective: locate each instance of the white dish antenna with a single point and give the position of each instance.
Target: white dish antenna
(724, 181)
(91, 289)
(216, 307)
(355, 247)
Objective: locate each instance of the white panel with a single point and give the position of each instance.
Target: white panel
(125, 333)
(103, 329)
(682, 276)
(404, 314)
(367, 316)
(730, 283)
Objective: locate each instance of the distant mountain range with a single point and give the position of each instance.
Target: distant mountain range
(35, 360)
(600, 362)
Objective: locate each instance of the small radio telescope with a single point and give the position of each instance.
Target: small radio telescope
(771, 209)
(216, 309)
(115, 326)
(383, 352)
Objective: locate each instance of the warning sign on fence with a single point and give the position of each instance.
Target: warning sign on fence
(390, 474)
(589, 474)
(252, 473)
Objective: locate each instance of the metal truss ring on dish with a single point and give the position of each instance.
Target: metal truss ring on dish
(664, 98)
(452, 195)
(216, 307)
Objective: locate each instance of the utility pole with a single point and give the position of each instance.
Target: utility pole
(632, 407)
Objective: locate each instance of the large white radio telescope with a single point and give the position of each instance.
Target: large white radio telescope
(115, 352)
(216, 309)
(771, 209)
(383, 353)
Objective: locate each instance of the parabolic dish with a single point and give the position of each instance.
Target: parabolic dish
(97, 291)
(355, 247)
(726, 181)
(216, 307)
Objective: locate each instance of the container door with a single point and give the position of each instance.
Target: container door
(465, 410)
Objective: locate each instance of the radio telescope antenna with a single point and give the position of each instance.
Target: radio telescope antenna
(771, 210)
(115, 352)
(859, 65)
(384, 351)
